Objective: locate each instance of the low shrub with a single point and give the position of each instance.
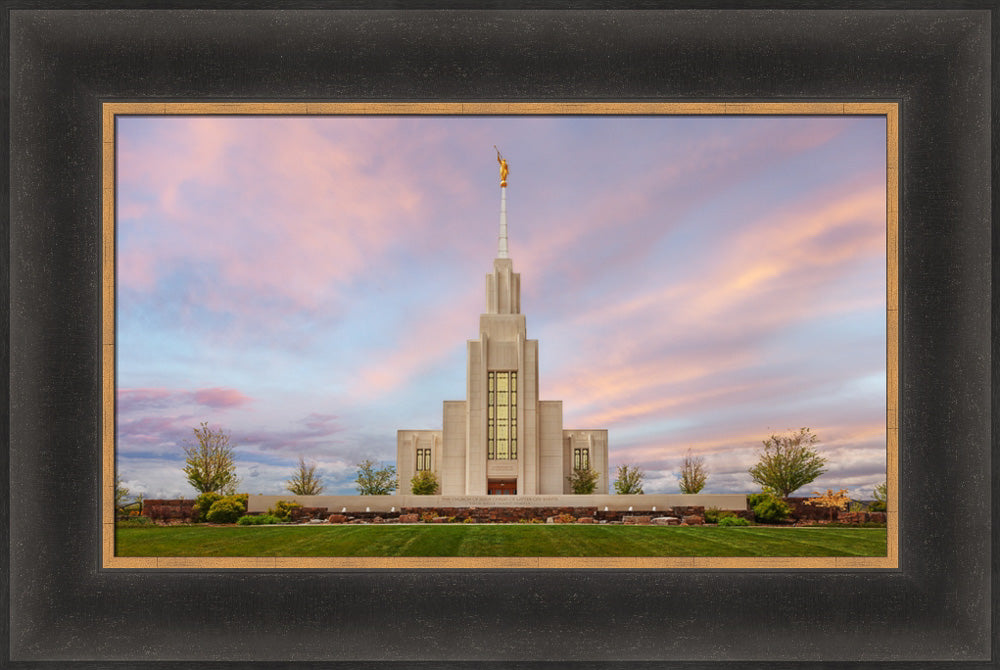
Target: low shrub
(203, 503)
(226, 510)
(283, 509)
(128, 521)
(257, 520)
(877, 506)
(713, 514)
(769, 509)
(428, 516)
(566, 518)
(732, 520)
(424, 483)
(469, 519)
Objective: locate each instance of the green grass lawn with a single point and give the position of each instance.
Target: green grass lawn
(497, 540)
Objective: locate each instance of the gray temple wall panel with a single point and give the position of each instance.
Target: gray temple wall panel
(502, 327)
(475, 463)
(527, 431)
(405, 454)
(501, 469)
(567, 461)
(531, 363)
(550, 479)
(407, 443)
(452, 472)
(502, 356)
(491, 294)
(596, 441)
(515, 295)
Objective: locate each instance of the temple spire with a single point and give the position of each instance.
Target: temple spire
(502, 241)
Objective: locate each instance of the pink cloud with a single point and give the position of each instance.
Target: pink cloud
(218, 398)
(326, 202)
(133, 400)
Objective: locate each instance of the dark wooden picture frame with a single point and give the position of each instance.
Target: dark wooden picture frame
(65, 609)
(886, 112)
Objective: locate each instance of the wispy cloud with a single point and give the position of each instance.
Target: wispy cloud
(134, 399)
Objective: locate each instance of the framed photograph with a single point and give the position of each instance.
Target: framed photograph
(926, 72)
(694, 221)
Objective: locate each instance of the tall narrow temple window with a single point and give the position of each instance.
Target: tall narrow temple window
(423, 459)
(501, 415)
(581, 459)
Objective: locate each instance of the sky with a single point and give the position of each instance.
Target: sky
(308, 285)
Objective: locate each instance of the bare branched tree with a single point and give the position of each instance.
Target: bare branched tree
(305, 481)
(693, 473)
(211, 465)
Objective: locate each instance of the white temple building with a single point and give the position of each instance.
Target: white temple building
(502, 439)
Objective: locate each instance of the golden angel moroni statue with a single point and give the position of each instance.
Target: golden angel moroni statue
(503, 168)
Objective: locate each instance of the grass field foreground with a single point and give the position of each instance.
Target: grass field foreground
(497, 540)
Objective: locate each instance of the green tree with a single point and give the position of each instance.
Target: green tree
(583, 480)
(424, 483)
(881, 494)
(694, 474)
(305, 481)
(628, 479)
(375, 481)
(788, 462)
(211, 465)
(121, 493)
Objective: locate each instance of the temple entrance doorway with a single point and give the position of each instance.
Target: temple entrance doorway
(501, 487)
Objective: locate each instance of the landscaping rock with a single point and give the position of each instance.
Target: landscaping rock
(638, 520)
(664, 521)
(337, 518)
(692, 520)
(877, 517)
(378, 519)
(439, 519)
(585, 519)
(409, 518)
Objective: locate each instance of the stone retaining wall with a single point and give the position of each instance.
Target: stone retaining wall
(163, 510)
(500, 514)
(803, 512)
